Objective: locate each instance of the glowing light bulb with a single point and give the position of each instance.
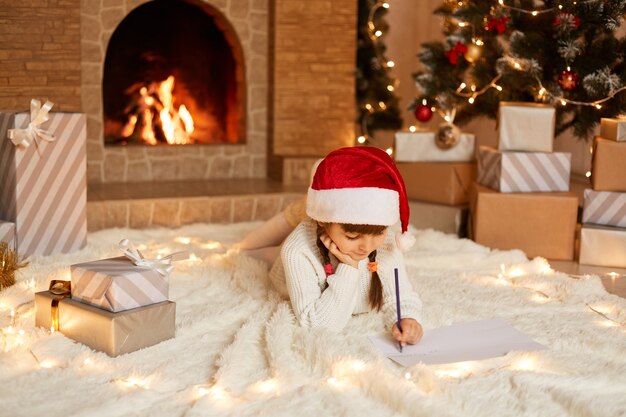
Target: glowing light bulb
(391, 64)
(378, 33)
(471, 100)
(463, 24)
(473, 87)
(462, 86)
(368, 107)
(389, 151)
(563, 102)
(390, 88)
(517, 65)
(479, 42)
(501, 2)
(542, 91)
(597, 106)
(497, 87)
(361, 139)
(386, 5)
(412, 129)
(407, 375)
(382, 105)
(535, 13)
(588, 174)
(613, 275)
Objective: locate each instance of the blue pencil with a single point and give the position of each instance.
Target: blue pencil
(395, 271)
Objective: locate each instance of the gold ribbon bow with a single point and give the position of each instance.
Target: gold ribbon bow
(38, 116)
(60, 290)
(163, 266)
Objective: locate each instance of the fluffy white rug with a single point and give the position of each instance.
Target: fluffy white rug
(239, 351)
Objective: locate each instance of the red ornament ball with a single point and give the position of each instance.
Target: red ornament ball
(568, 80)
(423, 113)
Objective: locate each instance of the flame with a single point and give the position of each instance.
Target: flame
(156, 101)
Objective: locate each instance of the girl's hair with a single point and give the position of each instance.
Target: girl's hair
(375, 297)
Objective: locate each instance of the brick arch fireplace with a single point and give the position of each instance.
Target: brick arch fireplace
(238, 152)
(174, 74)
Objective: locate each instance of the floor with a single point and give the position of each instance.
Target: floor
(614, 279)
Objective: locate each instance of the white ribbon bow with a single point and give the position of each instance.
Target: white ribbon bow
(38, 116)
(163, 266)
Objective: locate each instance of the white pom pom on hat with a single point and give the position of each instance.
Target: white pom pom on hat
(360, 185)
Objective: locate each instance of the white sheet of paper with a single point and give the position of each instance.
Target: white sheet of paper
(457, 343)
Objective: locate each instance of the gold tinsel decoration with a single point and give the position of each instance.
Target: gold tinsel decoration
(9, 263)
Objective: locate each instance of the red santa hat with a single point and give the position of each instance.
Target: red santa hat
(360, 185)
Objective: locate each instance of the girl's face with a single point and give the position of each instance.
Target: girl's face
(356, 245)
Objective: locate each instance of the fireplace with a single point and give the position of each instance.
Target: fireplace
(174, 74)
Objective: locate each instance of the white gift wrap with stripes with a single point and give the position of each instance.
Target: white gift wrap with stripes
(524, 172)
(7, 233)
(44, 186)
(613, 129)
(420, 146)
(117, 284)
(605, 207)
(526, 127)
(603, 246)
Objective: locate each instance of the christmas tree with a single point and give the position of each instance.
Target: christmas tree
(561, 52)
(377, 104)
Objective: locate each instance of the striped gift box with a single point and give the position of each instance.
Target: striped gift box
(524, 172)
(117, 284)
(7, 233)
(605, 207)
(44, 185)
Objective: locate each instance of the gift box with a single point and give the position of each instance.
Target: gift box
(605, 208)
(540, 224)
(524, 172)
(608, 167)
(7, 233)
(111, 333)
(603, 246)
(613, 129)
(447, 219)
(526, 127)
(438, 182)
(43, 177)
(117, 284)
(421, 146)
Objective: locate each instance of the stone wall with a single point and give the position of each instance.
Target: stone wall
(40, 53)
(99, 18)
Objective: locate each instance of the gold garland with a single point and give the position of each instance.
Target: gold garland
(9, 263)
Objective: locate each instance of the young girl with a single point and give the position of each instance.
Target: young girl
(341, 260)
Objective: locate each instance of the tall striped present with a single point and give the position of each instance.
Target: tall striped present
(7, 233)
(117, 284)
(43, 177)
(605, 207)
(524, 172)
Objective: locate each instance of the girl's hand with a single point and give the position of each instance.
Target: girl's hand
(412, 332)
(332, 248)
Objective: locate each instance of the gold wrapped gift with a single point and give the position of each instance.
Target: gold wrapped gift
(111, 333)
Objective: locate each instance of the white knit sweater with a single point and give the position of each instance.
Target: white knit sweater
(330, 302)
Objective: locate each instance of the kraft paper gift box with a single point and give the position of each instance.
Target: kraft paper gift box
(7, 233)
(608, 167)
(438, 182)
(540, 224)
(44, 185)
(526, 126)
(421, 146)
(510, 171)
(613, 129)
(111, 333)
(605, 208)
(603, 246)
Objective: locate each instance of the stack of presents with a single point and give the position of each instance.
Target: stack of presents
(603, 233)
(437, 179)
(518, 194)
(114, 305)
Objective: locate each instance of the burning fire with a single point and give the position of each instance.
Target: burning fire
(154, 112)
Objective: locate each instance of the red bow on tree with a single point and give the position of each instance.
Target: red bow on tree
(453, 54)
(497, 24)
